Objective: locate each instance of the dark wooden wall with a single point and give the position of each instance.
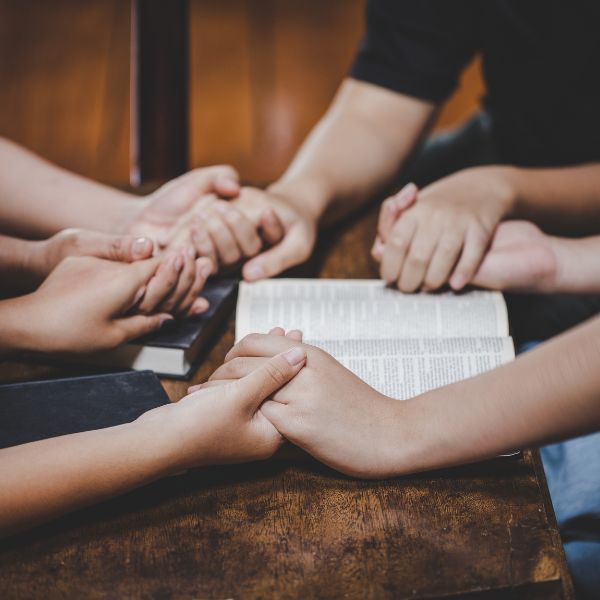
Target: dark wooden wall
(262, 72)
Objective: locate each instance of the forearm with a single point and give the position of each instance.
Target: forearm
(45, 479)
(550, 393)
(356, 150)
(38, 199)
(563, 200)
(578, 268)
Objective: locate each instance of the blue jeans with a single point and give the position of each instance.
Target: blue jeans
(573, 473)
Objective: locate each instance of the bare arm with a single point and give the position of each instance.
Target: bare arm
(38, 199)
(548, 394)
(356, 149)
(44, 479)
(564, 200)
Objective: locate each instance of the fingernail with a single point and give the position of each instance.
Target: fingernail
(458, 281)
(178, 264)
(200, 305)
(141, 247)
(166, 321)
(406, 195)
(270, 217)
(378, 249)
(295, 356)
(204, 270)
(254, 272)
(139, 295)
(163, 239)
(191, 252)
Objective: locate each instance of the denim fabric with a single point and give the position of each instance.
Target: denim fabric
(573, 474)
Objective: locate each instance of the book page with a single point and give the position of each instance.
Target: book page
(404, 368)
(341, 309)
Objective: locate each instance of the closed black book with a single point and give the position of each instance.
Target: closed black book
(175, 350)
(43, 409)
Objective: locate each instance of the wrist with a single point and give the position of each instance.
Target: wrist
(15, 326)
(307, 196)
(176, 441)
(504, 180)
(126, 212)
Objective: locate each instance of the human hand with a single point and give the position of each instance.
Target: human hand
(160, 212)
(47, 254)
(443, 236)
(286, 225)
(223, 425)
(220, 231)
(521, 258)
(88, 304)
(326, 410)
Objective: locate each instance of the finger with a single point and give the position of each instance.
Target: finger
(276, 413)
(185, 281)
(188, 305)
(422, 247)
(260, 344)
(256, 387)
(203, 243)
(474, 249)
(201, 386)
(271, 227)
(292, 250)
(139, 325)
(377, 250)
(396, 249)
(392, 208)
(241, 228)
(444, 260)
(294, 334)
(122, 248)
(137, 277)
(237, 368)
(162, 284)
(228, 252)
(277, 331)
(227, 183)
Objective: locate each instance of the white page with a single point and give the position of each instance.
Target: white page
(342, 309)
(404, 368)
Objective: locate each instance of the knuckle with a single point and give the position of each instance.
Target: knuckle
(417, 259)
(397, 243)
(276, 372)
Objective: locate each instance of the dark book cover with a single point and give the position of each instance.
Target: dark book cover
(186, 333)
(43, 409)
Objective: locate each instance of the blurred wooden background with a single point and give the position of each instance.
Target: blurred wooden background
(262, 73)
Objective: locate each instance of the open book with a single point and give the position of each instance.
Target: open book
(400, 344)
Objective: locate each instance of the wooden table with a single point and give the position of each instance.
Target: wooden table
(291, 528)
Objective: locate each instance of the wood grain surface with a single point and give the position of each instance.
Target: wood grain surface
(291, 528)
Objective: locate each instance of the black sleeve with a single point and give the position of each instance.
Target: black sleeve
(417, 47)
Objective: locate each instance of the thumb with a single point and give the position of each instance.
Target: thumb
(256, 387)
(139, 325)
(492, 273)
(227, 185)
(292, 250)
(275, 413)
(120, 248)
